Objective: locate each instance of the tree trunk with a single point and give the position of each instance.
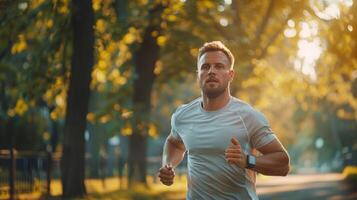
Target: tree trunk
(73, 160)
(145, 59)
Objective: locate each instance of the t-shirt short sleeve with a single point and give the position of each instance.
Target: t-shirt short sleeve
(262, 137)
(174, 131)
(259, 129)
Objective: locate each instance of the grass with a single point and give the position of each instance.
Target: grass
(111, 189)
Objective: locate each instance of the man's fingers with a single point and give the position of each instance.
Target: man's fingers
(233, 150)
(235, 141)
(168, 183)
(233, 160)
(166, 176)
(233, 155)
(166, 170)
(166, 179)
(169, 166)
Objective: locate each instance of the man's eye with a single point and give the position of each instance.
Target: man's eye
(220, 66)
(205, 67)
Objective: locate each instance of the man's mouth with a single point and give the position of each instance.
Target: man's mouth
(211, 80)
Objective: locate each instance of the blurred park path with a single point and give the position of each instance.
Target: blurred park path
(329, 186)
(314, 186)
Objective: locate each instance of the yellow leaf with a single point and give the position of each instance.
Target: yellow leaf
(64, 9)
(54, 115)
(11, 113)
(104, 55)
(194, 52)
(127, 130)
(345, 115)
(46, 136)
(102, 65)
(96, 5)
(154, 33)
(143, 2)
(120, 80)
(171, 18)
(161, 40)
(20, 46)
(91, 117)
(49, 23)
(104, 119)
(114, 74)
(126, 114)
(153, 130)
(36, 3)
(207, 4)
(21, 107)
(129, 38)
(116, 107)
(60, 100)
(158, 67)
(100, 25)
(99, 75)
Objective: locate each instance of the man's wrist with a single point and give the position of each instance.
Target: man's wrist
(250, 161)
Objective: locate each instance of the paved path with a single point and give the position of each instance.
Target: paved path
(301, 187)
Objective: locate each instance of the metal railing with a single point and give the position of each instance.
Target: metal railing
(29, 172)
(24, 172)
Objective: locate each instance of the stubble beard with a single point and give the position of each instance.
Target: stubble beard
(213, 93)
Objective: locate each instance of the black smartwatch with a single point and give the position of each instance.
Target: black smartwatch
(250, 161)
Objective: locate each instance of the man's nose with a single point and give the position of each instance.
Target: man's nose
(211, 69)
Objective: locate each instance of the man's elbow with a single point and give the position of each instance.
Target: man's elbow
(286, 169)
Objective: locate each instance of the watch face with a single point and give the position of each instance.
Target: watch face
(251, 161)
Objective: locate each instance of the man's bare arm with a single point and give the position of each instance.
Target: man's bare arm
(174, 151)
(274, 161)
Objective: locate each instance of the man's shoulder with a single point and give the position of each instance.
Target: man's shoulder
(189, 107)
(246, 111)
(241, 106)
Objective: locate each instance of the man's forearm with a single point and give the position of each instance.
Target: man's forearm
(172, 154)
(273, 164)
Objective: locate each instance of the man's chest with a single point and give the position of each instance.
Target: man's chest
(213, 132)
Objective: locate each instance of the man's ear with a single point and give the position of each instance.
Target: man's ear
(231, 74)
(197, 77)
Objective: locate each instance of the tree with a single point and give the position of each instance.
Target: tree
(145, 59)
(73, 163)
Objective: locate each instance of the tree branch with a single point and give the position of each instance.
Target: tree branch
(313, 13)
(264, 22)
(236, 17)
(273, 38)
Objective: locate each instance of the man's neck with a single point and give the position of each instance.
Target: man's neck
(211, 104)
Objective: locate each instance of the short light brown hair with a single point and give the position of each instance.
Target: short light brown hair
(216, 46)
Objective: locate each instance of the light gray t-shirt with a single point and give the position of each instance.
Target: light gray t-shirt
(206, 135)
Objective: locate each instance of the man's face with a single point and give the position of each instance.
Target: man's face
(214, 73)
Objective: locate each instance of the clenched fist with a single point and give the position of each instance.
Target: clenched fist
(235, 155)
(166, 175)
